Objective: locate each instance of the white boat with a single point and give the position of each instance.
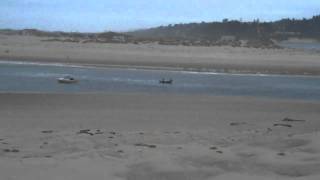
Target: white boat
(67, 80)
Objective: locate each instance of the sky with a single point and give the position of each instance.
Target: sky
(124, 15)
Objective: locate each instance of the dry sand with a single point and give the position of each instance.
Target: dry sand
(167, 137)
(29, 48)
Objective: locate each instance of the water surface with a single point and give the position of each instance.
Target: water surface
(15, 77)
(301, 45)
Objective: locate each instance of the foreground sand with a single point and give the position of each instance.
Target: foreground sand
(28, 48)
(167, 137)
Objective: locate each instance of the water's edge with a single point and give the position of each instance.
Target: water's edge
(159, 68)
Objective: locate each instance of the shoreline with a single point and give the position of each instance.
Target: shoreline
(222, 71)
(162, 94)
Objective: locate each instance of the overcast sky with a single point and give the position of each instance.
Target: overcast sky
(122, 15)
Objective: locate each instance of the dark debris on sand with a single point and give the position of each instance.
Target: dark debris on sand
(213, 148)
(145, 145)
(89, 132)
(237, 123)
(283, 125)
(293, 120)
(47, 131)
(11, 150)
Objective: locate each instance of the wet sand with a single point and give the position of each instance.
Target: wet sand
(144, 136)
(225, 59)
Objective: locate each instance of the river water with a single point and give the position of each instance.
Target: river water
(26, 77)
(301, 45)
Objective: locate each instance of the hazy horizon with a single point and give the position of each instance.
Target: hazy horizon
(98, 15)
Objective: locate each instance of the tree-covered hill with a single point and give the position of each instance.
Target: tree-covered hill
(282, 29)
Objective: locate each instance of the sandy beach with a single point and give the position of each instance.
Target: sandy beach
(144, 136)
(159, 90)
(225, 59)
(141, 136)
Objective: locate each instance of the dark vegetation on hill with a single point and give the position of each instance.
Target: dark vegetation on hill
(230, 32)
(104, 37)
(40, 33)
(304, 28)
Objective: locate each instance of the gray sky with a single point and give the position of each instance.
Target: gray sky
(122, 15)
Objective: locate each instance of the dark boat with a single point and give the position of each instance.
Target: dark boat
(164, 81)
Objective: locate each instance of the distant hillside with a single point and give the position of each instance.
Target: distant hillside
(234, 33)
(59, 34)
(282, 29)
